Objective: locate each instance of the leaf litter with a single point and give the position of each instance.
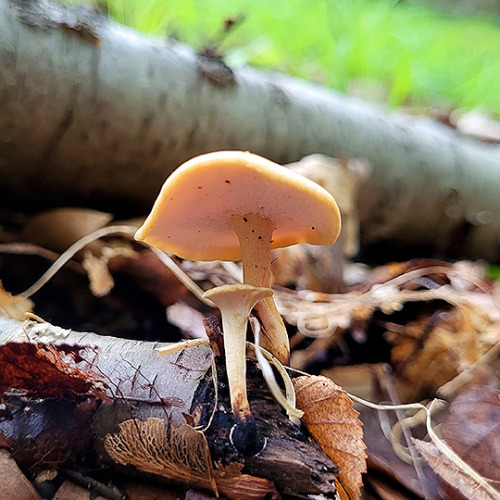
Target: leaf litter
(456, 332)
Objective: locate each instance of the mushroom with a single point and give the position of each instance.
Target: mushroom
(232, 205)
(235, 303)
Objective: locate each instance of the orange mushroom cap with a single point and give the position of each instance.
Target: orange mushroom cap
(191, 216)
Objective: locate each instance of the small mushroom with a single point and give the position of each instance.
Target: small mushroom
(235, 303)
(233, 205)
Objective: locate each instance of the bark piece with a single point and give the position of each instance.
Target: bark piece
(144, 385)
(46, 371)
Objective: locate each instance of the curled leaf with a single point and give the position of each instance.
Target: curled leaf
(334, 424)
(59, 228)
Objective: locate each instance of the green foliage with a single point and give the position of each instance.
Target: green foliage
(493, 272)
(386, 50)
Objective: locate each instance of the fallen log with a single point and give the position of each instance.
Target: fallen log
(96, 114)
(71, 390)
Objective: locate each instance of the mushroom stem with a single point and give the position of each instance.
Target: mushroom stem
(235, 303)
(254, 233)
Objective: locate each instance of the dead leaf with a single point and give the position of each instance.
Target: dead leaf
(290, 267)
(46, 370)
(386, 490)
(188, 319)
(59, 228)
(451, 472)
(341, 310)
(14, 482)
(472, 429)
(14, 306)
(182, 455)
(334, 424)
(147, 491)
(383, 460)
(431, 351)
(101, 281)
(310, 267)
(360, 380)
(342, 178)
(151, 275)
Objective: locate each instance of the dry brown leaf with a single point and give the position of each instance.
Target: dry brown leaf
(472, 429)
(59, 228)
(188, 319)
(14, 306)
(150, 274)
(334, 424)
(386, 490)
(450, 472)
(360, 380)
(147, 491)
(182, 455)
(342, 178)
(290, 267)
(310, 267)
(433, 350)
(14, 483)
(305, 307)
(100, 280)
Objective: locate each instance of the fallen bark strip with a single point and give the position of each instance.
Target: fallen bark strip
(93, 112)
(71, 429)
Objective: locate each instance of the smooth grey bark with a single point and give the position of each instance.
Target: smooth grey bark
(93, 111)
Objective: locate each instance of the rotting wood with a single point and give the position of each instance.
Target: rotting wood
(144, 385)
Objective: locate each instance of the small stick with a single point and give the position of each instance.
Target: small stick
(112, 492)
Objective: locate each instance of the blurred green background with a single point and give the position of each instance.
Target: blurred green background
(400, 53)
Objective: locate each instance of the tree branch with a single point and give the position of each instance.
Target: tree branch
(95, 113)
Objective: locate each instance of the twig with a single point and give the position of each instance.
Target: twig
(112, 492)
